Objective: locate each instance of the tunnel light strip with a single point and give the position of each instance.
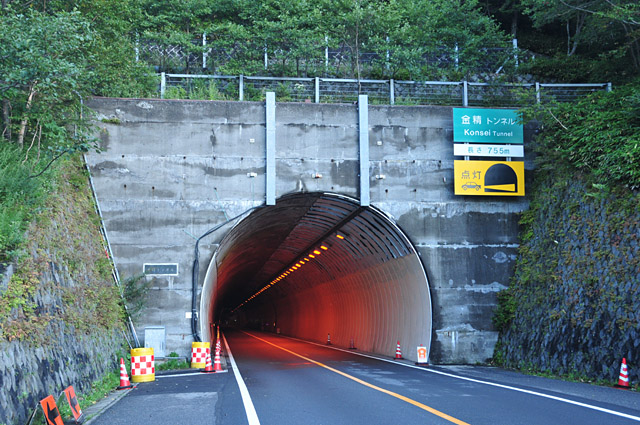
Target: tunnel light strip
(298, 265)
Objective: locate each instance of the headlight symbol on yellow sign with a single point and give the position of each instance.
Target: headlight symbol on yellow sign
(489, 178)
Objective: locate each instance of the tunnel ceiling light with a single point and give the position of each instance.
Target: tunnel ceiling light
(315, 251)
(312, 256)
(306, 259)
(339, 236)
(323, 247)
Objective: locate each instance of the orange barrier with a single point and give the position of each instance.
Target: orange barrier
(208, 368)
(143, 365)
(398, 352)
(51, 413)
(217, 366)
(70, 393)
(125, 384)
(422, 356)
(623, 379)
(199, 352)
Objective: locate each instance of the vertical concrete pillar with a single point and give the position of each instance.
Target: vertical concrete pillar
(465, 93)
(363, 133)
(271, 148)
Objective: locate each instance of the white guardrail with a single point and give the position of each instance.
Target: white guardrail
(341, 90)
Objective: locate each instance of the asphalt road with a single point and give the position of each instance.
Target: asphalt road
(293, 382)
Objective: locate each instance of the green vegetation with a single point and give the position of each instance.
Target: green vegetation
(64, 232)
(135, 289)
(174, 362)
(572, 306)
(599, 135)
(99, 390)
(574, 290)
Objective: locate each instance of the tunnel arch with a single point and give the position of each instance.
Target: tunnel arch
(319, 264)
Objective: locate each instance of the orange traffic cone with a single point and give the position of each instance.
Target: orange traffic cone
(125, 384)
(208, 368)
(217, 367)
(623, 380)
(398, 352)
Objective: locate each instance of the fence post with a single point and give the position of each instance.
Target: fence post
(392, 92)
(204, 53)
(266, 58)
(137, 47)
(538, 97)
(317, 87)
(609, 87)
(163, 84)
(326, 54)
(465, 93)
(241, 88)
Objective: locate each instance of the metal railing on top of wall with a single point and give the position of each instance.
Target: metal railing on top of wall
(340, 90)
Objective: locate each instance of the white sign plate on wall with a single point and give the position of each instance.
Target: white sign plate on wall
(460, 149)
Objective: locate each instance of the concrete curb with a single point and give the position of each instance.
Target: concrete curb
(94, 411)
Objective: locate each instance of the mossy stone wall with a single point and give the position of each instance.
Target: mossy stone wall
(574, 299)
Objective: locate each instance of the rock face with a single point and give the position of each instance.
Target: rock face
(29, 372)
(60, 311)
(577, 283)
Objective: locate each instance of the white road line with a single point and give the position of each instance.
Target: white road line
(177, 375)
(252, 416)
(507, 387)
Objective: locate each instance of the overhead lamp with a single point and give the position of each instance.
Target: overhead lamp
(339, 236)
(323, 247)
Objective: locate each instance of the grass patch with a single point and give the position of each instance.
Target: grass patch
(99, 390)
(173, 363)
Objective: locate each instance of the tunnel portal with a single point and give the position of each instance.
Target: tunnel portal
(319, 264)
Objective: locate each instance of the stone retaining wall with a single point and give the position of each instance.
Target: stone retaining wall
(28, 372)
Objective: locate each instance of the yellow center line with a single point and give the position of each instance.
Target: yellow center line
(366, 384)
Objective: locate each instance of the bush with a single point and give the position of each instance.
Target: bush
(20, 197)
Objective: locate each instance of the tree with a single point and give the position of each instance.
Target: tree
(458, 27)
(43, 61)
(592, 21)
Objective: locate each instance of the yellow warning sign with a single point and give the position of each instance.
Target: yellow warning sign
(489, 178)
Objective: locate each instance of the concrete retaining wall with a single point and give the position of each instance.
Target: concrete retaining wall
(171, 170)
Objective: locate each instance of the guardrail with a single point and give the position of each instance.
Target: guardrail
(392, 92)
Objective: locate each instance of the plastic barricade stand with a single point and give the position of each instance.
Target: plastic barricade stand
(142, 365)
(199, 351)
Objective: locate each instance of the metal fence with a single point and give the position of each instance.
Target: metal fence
(391, 92)
(200, 55)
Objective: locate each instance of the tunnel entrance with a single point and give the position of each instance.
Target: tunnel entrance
(319, 264)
